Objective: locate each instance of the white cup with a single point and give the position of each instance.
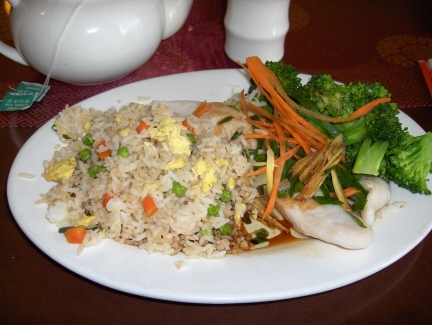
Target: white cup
(256, 28)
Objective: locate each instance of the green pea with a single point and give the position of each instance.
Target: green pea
(88, 140)
(226, 229)
(206, 232)
(101, 169)
(123, 152)
(213, 209)
(226, 195)
(93, 171)
(85, 154)
(178, 189)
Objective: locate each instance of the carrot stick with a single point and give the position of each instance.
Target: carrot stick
(366, 109)
(270, 86)
(276, 181)
(201, 109)
(257, 135)
(290, 153)
(188, 127)
(362, 111)
(266, 114)
(249, 120)
(281, 137)
(350, 191)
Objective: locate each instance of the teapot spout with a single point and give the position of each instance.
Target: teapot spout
(176, 12)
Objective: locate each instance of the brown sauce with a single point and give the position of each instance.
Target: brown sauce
(284, 238)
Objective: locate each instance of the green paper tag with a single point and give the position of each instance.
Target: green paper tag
(37, 88)
(23, 97)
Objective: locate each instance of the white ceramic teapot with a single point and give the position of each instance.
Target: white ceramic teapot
(91, 41)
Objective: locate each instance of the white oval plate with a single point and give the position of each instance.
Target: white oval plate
(295, 270)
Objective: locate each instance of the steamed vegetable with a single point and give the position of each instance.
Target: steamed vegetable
(376, 143)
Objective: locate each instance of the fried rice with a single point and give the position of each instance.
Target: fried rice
(181, 223)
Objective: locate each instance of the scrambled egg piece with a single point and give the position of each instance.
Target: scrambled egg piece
(240, 210)
(126, 130)
(175, 164)
(118, 120)
(61, 170)
(222, 162)
(87, 126)
(86, 220)
(150, 186)
(231, 184)
(168, 129)
(201, 168)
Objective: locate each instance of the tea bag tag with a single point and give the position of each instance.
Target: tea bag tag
(23, 96)
(28, 93)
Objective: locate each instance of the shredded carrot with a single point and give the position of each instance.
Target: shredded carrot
(270, 86)
(350, 191)
(280, 162)
(366, 109)
(149, 206)
(102, 155)
(75, 235)
(188, 127)
(362, 111)
(281, 137)
(201, 109)
(290, 153)
(257, 135)
(289, 129)
(142, 126)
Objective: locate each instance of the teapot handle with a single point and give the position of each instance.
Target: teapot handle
(9, 51)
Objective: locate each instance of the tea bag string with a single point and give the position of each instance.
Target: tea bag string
(58, 43)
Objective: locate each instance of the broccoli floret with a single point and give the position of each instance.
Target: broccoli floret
(328, 95)
(288, 76)
(369, 140)
(369, 157)
(410, 163)
(339, 100)
(383, 147)
(380, 124)
(361, 93)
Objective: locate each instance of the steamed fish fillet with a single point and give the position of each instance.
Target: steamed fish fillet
(329, 223)
(378, 197)
(217, 112)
